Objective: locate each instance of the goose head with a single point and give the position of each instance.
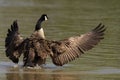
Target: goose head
(44, 17)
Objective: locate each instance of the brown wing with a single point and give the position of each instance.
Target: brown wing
(13, 38)
(67, 50)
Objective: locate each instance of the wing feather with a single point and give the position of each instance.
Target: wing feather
(13, 38)
(69, 49)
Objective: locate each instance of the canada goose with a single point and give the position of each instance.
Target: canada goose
(14, 41)
(36, 49)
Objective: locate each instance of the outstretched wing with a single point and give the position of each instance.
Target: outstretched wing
(67, 50)
(13, 38)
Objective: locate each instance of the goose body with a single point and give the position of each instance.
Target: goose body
(14, 41)
(36, 48)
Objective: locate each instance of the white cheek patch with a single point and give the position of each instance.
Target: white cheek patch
(46, 18)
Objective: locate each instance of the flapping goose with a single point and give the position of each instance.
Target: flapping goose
(14, 41)
(36, 48)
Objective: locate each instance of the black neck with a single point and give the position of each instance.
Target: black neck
(38, 25)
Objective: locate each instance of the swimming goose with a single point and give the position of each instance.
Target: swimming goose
(36, 48)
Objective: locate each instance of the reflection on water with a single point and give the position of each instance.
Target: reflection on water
(50, 72)
(66, 18)
(43, 74)
(33, 74)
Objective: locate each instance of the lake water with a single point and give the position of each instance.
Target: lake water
(66, 18)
